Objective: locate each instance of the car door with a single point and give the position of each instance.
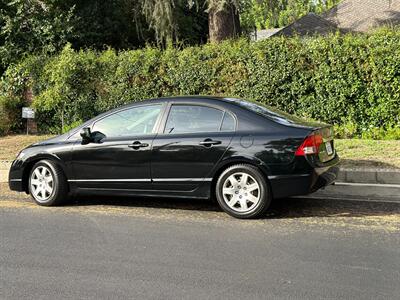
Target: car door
(193, 140)
(121, 160)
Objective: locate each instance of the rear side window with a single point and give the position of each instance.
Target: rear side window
(193, 118)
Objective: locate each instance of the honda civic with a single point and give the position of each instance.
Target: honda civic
(242, 153)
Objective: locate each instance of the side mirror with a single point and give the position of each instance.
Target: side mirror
(86, 135)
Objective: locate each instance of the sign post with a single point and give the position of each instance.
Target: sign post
(28, 113)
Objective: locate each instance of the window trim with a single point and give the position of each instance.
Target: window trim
(153, 131)
(172, 103)
(223, 119)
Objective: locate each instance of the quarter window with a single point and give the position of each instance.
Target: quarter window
(134, 121)
(193, 118)
(228, 124)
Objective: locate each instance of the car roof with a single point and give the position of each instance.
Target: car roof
(188, 98)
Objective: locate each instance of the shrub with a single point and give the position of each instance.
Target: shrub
(69, 88)
(351, 81)
(12, 97)
(10, 114)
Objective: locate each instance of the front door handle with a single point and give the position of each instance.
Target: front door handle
(136, 145)
(209, 143)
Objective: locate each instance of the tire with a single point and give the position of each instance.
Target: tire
(243, 200)
(47, 184)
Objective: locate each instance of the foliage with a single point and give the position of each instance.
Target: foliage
(170, 19)
(31, 26)
(12, 92)
(70, 90)
(115, 23)
(351, 81)
(46, 26)
(10, 120)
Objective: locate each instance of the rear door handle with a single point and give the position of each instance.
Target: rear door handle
(209, 142)
(137, 145)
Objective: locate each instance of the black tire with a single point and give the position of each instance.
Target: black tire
(263, 192)
(59, 193)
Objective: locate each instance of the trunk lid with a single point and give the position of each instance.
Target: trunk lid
(318, 146)
(326, 150)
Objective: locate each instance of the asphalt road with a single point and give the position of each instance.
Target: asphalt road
(117, 248)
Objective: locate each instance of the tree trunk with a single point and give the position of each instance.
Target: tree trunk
(223, 24)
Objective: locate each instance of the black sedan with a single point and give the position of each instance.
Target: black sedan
(243, 153)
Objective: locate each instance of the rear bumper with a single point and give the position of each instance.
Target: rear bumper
(303, 184)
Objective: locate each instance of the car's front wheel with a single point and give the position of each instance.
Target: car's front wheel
(243, 192)
(47, 184)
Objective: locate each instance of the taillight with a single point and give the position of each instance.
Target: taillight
(310, 145)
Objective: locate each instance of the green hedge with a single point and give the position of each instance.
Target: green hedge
(350, 81)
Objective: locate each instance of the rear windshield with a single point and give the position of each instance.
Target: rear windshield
(273, 113)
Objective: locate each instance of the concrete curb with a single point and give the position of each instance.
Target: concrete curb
(381, 185)
(374, 176)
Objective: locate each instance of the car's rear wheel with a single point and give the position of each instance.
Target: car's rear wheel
(47, 184)
(243, 192)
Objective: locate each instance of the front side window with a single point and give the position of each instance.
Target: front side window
(134, 121)
(193, 118)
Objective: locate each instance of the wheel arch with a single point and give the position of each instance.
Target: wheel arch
(223, 165)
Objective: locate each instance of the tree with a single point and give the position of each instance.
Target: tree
(37, 26)
(112, 23)
(223, 17)
(224, 20)
(30, 26)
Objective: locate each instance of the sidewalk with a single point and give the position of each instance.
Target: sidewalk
(355, 184)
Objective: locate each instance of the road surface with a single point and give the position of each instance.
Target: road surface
(119, 248)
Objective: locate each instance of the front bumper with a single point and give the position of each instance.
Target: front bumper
(15, 180)
(15, 185)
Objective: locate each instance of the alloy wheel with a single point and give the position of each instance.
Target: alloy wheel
(42, 184)
(241, 192)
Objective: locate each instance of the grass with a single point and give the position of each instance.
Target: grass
(369, 153)
(353, 152)
(11, 145)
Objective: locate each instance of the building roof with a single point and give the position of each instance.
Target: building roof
(363, 15)
(308, 25)
(347, 16)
